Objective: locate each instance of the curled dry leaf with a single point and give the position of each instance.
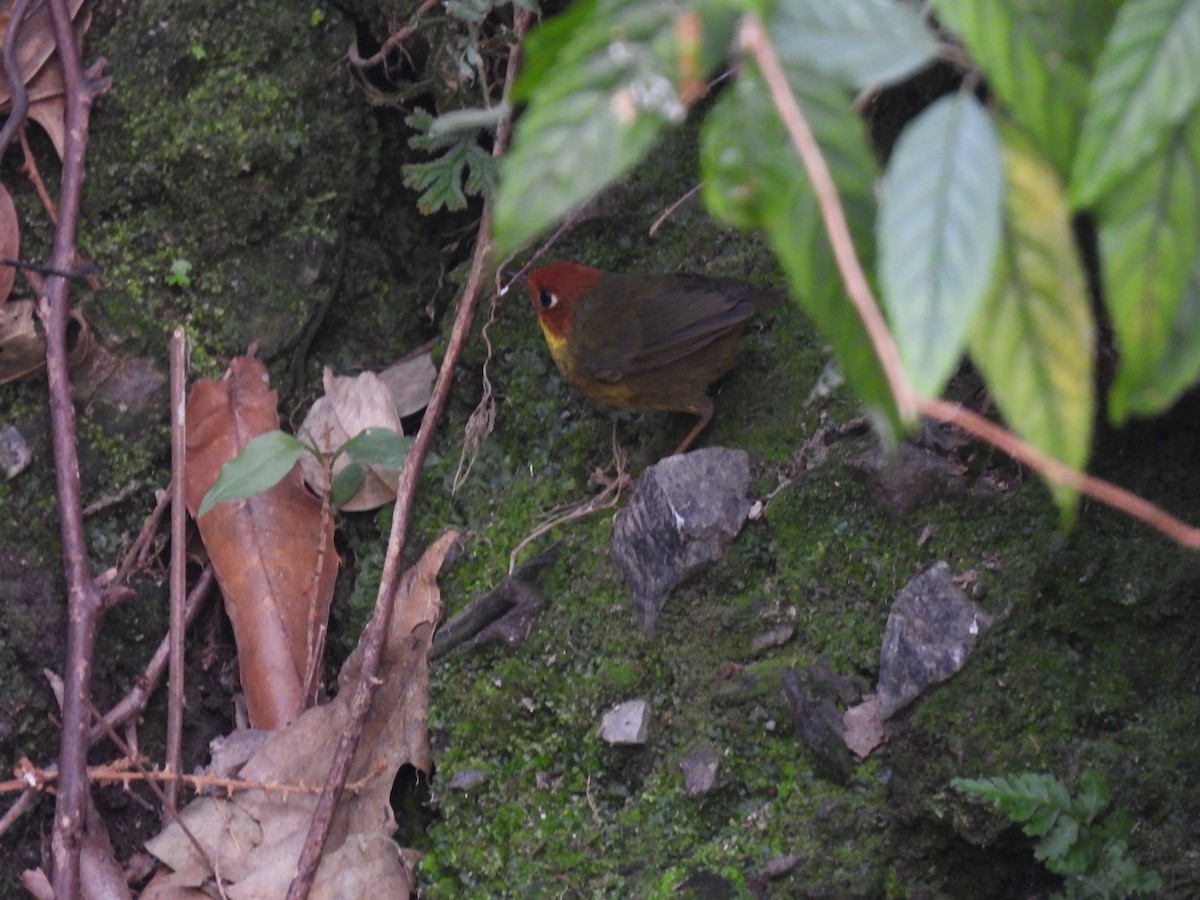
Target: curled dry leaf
(41, 71)
(351, 404)
(411, 382)
(255, 838)
(273, 554)
(23, 345)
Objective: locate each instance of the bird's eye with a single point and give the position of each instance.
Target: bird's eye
(547, 299)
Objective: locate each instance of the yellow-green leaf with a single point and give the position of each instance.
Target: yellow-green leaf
(1034, 340)
(1149, 241)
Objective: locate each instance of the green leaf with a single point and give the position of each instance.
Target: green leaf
(1054, 847)
(939, 229)
(1040, 820)
(603, 87)
(1148, 80)
(544, 44)
(1033, 340)
(1093, 796)
(346, 484)
(465, 168)
(753, 179)
(262, 464)
(1149, 242)
(864, 43)
(380, 447)
(1179, 367)
(1037, 56)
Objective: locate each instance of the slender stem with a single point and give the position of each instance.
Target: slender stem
(1096, 488)
(84, 602)
(175, 692)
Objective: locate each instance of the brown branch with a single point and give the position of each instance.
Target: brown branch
(376, 631)
(754, 40)
(83, 597)
(395, 39)
(175, 690)
(1097, 488)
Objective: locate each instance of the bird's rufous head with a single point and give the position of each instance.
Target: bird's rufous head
(555, 290)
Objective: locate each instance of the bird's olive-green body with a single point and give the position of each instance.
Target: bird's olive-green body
(644, 342)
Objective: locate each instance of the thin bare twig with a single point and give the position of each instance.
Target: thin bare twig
(376, 631)
(175, 689)
(84, 602)
(1097, 488)
(138, 553)
(671, 210)
(397, 37)
(130, 706)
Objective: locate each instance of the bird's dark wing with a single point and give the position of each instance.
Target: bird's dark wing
(678, 315)
(688, 312)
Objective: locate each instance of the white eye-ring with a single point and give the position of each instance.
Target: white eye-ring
(547, 299)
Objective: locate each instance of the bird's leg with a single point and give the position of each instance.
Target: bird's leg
(705, 412)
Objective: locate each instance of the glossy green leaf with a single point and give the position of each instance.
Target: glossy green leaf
(603, 87)
(1034, 340)
(380, 447)
(754, 179)
(262, 464)
(939, 228)
(1037, 56)
(1147, 81)
(863, 43)
(346, 484)
(1149, 241)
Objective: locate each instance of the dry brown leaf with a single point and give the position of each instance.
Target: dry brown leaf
(360, 859)
(10, 242)
(51, 113)
(411, 382)
(351, 405)
(41, 70)
(22, 346)
(273, 554)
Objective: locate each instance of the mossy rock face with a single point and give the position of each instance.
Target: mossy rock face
(225, 169)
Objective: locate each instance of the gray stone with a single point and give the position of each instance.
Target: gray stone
(683, 512)
(626, 724)
(699, 767)
(931, 630)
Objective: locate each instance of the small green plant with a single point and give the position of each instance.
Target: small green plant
(1091, 853)
(180, 274)
(266, 459)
